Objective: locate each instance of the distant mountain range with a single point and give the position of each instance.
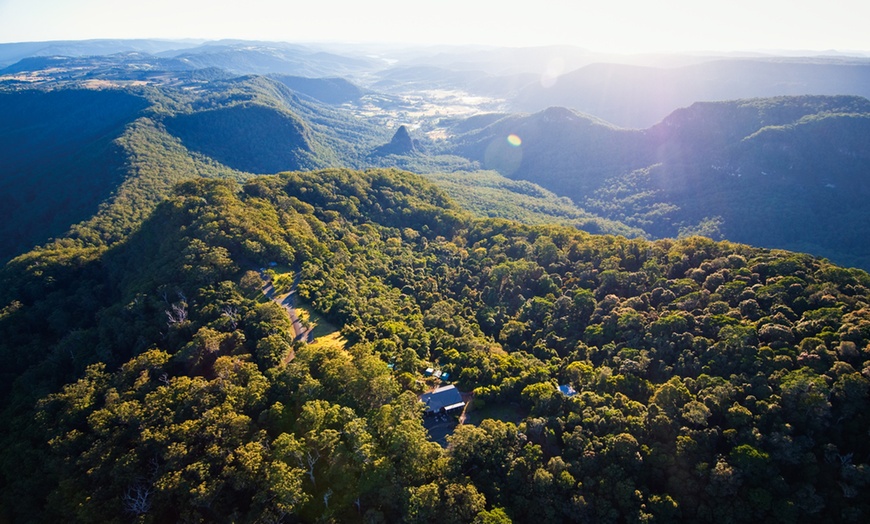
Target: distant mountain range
(638, 97)
(13, 52)
(102, 137)
(629, 91)
(273, 58)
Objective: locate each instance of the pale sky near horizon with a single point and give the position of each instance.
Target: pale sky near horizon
(622, 26)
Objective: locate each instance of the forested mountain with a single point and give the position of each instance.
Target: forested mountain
(73, 152)
(640, 96)
(760, 171)
(786, 172)
(150, 381)
(255, 139)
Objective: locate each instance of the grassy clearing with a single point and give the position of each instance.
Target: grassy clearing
(320, 326)
(280, 269)
(324, 333)
(333, 340)
(503, 412)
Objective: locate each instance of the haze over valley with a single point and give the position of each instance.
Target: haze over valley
(630, 145)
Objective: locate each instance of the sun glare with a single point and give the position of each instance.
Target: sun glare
(617, 26)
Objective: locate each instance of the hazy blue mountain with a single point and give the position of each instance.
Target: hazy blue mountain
(118, 70)
(13, 52)
(235, 56)
(555, 144)
(275, 58)
(543, 62)
(636, 96)
(329, 90)
(502, 60)
(787, 172)
(100, 65)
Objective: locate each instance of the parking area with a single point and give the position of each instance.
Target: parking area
(439, 427)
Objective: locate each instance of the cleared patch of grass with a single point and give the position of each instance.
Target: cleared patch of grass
(503, 412)
(320, 326)
(333, 340)
(281, 269)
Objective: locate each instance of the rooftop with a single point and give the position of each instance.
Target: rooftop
(445, 397)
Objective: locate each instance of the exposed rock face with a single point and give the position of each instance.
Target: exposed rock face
(401, 144)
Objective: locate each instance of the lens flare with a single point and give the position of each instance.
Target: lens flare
(504, 156)
(514, 140)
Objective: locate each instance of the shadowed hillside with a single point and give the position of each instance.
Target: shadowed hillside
(94, 163)
(58, 160)
(255, 139)
(785, 172)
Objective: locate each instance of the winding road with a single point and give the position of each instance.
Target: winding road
(288, 302)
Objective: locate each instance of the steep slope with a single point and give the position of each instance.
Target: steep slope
(250, 138)
(550, 147)
(105, 157)
(108, 158)
(58, 160)
(400, 144)
(762, 171)
(771, 170)
(713, 380)
(488, 194)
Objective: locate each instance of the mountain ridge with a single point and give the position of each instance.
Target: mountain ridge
(714, 161)
(139, 372)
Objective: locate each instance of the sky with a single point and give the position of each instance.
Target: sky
(620, 26)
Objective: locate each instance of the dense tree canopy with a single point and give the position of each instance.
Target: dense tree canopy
(151, 381)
